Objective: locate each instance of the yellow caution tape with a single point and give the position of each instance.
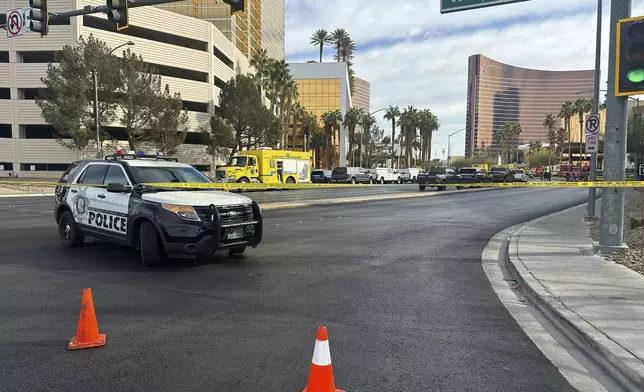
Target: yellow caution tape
(235, 185)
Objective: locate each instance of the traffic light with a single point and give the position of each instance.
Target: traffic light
(236, 6)
(629, 69)
(39, 17)
(117, 12)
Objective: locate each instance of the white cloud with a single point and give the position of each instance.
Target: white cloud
(425, 62)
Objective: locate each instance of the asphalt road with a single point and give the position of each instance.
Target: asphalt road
(398, 283)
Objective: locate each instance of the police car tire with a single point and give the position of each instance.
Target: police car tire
(75, 238)
(150, 245)
(237, 251)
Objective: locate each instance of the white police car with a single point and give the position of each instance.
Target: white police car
(160, 222)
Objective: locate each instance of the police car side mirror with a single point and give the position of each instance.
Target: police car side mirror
(116, 188)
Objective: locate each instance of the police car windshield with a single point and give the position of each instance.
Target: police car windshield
(152, 174)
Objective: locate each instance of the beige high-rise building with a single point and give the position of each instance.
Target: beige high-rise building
(260, 26)
(361, 97)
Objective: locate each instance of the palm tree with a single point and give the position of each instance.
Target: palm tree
(582, 106)
(339, 38)
(318, 143)
(332, 121)
(392, 114)
(427, 124)
(309, 125)
(367, 122)
(550, 122)
(321, 38)
(298, 113)
(408, 125)
(566, 112)
(351, 119)
(261, 62)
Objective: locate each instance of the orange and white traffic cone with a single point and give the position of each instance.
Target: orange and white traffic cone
(321, 373)
(87, 331)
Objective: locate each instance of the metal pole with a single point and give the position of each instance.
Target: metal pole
(612, 207)
(449, 150)
(99, 145)
(592, 192)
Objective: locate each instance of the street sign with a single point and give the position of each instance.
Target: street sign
(592, 124)
(15, 22)
(26, 19)
(462, 5)
(592, 143)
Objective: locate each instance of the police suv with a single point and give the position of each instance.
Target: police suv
(115, 199)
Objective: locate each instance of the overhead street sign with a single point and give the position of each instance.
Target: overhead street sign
(592, 124)
(462, 5)
(15, 23)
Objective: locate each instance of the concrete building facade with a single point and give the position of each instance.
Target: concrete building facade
(325, 87)
(193, 57)
(260, 26)
(499, 93)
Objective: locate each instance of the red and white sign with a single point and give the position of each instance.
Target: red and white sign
(15, 23)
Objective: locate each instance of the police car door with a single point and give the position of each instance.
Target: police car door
(83, 199)
(113, 206)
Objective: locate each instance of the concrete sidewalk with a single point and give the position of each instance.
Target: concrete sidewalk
(597, 303)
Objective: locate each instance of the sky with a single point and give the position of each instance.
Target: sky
(414, 55)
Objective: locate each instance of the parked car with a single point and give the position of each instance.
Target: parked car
(501, 174)
(385, 175)
(520, 176)
(409, 174)
(321, 176)
(353, 175)
(472, 175)
(437, 176)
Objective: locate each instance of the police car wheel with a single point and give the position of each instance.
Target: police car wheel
(68, 231)
(152, 252)
(237, 251)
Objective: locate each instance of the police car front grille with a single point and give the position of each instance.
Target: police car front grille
(229, 215)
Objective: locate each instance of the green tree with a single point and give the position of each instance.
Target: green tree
(240, 106)
(352, 118)
(566, 112)
(367, 122)
(344, 49)
(392, 114)
(221, 136)
(319, 142)
(508, 138)
(68, 102)
(309, 124)
(321, 38)
(543, 157)
(550, 123)
(427, 125)
(332, 120)
(168, 121)
(408, 128)
(582, 106)
(138, 95)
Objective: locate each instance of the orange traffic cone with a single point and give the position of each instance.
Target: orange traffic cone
(321, 373)
(87, 331)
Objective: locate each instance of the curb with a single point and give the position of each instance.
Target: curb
(609, 355)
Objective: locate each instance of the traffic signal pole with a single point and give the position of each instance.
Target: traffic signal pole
(592, 192)
(612, 207)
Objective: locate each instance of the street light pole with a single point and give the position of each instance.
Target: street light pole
(449, 146)
(99, 144)
(592, 192)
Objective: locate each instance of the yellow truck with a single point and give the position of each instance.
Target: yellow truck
(267, 166)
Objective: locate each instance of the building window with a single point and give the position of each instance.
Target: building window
(180, 73)
(6, 166)
(221, 56)
(38, 57)
(200, 107)
(153, 35)
(196, 138)
(31, 93)
(4, 56)
(44, 166)
(5, 130)
(39, 132)
(219, 83)
(5, 93)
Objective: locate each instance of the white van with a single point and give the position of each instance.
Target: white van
(385, 175)
(409, 175)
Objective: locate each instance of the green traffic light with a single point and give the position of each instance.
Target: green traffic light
(636, 75)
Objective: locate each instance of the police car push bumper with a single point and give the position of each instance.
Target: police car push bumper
(189, 231)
